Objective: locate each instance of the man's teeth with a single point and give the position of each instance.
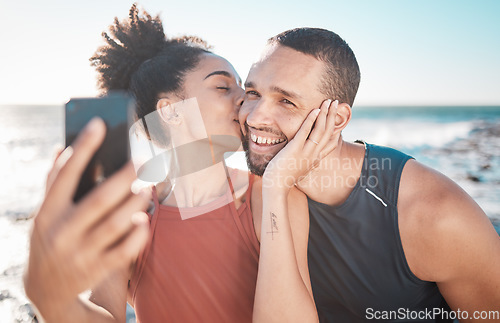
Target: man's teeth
(263, 140)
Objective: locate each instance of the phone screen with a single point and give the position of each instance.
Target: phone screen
(116, 111)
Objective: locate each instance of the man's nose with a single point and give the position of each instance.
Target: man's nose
(259, 114)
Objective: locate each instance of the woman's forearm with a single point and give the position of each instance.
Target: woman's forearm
(281, 294)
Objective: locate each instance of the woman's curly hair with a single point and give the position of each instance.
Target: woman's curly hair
(140, 59)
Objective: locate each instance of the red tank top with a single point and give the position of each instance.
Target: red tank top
(202, 269)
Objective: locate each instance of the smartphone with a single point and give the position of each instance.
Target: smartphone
(116, 110)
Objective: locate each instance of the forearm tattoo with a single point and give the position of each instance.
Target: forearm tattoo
(274, 225)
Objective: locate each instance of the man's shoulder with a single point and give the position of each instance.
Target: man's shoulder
(424, 188)
(434, 214)
(433, 199)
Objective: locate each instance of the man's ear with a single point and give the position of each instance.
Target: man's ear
(166, 110)
(344, 114)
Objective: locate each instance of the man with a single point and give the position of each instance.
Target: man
(389, 237)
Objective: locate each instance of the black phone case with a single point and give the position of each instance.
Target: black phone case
(115, 110)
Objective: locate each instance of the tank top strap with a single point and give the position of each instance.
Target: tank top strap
(155, 197)
(248, 194)
(382, 170)
(156, 202)
(243, 219)
(230, 182)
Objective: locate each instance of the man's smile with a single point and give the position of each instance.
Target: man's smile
(263, 142)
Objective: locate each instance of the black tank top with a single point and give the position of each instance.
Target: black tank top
(356, 261)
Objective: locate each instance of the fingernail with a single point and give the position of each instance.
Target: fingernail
(316, 112)
(93, 124)
(328, 103)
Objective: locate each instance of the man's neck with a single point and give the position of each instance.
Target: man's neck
(336, 176)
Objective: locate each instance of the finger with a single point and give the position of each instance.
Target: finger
(72, 161)
(330, 122)
(327, 142)
(318, 131)
(54, 170)
(105, 197)
(119, 223)
(58, 149)
(306, 126)
(128, 249)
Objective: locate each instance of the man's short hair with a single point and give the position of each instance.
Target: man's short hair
(341, 78)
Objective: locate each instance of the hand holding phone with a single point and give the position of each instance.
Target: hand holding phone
(74, 246)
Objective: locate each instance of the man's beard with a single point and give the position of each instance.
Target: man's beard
(257, 163)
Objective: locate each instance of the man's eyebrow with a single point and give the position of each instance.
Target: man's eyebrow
(223, 73)
(249, 84)
(277, 89)
(289, 94)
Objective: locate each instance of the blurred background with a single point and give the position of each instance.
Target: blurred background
(429, 87)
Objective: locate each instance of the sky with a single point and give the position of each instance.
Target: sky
(422, 52)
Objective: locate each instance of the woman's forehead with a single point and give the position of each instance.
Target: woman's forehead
(211, 62)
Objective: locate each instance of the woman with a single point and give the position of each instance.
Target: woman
(199, 261)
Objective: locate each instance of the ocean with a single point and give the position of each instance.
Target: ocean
(463, 142)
